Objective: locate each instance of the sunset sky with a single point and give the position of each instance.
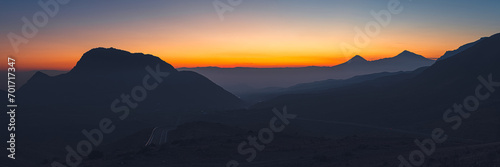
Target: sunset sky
(257, 33)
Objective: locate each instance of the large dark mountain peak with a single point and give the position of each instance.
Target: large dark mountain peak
(111, 59)
(103, 74)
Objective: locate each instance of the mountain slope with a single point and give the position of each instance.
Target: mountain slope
(451, 53)
(315, 87)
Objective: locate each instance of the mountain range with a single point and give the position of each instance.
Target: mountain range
(395, 102)
(243, 80)
(410, 102)
(405, 61)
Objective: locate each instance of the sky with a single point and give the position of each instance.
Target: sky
(256, 33)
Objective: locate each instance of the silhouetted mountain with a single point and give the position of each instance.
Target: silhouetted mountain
(357, 59)
(405, 61)
(404, 57)
(101, 60)
(106, 83)
(412, 102)
(102, 75)
(251, 79)
(23, 76)
(448, 54)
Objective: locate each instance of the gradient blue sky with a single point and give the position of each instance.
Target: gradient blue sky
(258, 33)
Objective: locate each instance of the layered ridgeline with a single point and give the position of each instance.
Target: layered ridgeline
(404, 61)
(413, 103)
(242, 80)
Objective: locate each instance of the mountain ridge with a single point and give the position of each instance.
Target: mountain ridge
(451, 53)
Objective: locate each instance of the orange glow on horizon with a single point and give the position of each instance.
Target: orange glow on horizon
(62, 61)
(262, 45)
(294, 36)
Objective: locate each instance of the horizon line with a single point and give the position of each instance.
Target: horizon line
(230, 66)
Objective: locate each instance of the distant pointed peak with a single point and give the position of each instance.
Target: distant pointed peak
(407, 53)
(357, 58)
(40, 74)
